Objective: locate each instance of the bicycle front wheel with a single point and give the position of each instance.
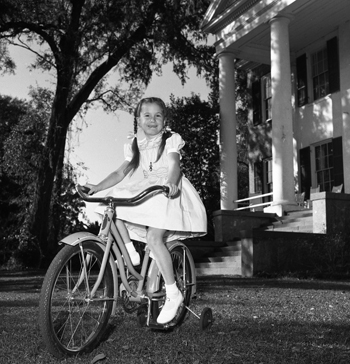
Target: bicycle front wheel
(71, 321)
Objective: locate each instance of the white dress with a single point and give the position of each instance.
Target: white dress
(183, 216)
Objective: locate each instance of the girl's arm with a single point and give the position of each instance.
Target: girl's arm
(111, 180)
(174, 173)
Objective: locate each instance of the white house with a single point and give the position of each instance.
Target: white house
(297, 53)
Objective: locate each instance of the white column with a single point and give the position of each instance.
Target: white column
(228, 147)
(344, 57)
(282, 117)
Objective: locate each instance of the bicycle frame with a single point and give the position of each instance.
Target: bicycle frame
(113, 255)
(80, 289)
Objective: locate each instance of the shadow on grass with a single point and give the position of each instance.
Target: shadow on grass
(217, 283)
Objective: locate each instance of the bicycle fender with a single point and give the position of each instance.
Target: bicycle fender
(154, 274)
(79, 237)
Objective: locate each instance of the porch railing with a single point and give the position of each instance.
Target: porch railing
(252, 206)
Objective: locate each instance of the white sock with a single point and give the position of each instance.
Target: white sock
(171, 290)
(130, 247)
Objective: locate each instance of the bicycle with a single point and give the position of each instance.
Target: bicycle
(80, 290)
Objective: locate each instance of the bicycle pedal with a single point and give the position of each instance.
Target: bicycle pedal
(155, 326)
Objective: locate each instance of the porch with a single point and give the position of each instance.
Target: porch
(249, 242)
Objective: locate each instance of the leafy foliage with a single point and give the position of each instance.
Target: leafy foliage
(197, 122)
(24, 128)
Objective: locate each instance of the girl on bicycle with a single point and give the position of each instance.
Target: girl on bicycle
(180, 215)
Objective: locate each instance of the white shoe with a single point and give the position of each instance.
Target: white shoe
(170, 308)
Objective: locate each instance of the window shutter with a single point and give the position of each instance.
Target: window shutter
(302, 80)
(256, 102)
(333, 65)
(338, 172)
(305, 171)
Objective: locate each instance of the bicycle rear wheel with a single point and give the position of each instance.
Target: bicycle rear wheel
(183, 278)
(72, 322)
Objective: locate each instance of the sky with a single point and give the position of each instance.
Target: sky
(100, 144)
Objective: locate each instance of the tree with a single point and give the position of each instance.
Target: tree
(82, 42)
(197, 122)
(23, 126)
(11, 110)
(242, 97)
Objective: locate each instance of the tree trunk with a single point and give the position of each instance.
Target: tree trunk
(55, 211)
(40, 222)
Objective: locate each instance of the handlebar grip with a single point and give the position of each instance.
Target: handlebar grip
(85, 189)
(166, 189)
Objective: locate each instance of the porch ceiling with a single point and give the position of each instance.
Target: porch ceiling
(248, 36)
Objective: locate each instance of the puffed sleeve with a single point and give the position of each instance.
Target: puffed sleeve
(127, 152)
(174, 144)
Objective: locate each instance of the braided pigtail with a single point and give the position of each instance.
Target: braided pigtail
(135, 161)
(165, 136)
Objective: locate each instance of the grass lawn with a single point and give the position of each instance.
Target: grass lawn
(257, 321)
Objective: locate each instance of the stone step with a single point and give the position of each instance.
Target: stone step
(292, 223)
(226, 253)
(224, 258)
(292, 228)
(235, 244)
(229, 248)
(296, 221)
(232, 267)
(295, 216)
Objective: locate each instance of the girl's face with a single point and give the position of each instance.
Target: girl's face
(151, 119)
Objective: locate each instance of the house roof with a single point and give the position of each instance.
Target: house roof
(222, 12)
(242, 26)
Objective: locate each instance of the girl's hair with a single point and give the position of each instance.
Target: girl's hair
(135, 161)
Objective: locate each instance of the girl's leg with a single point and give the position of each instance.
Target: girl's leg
(162, 256)
(123, 231)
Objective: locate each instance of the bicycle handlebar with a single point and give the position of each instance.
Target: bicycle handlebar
(125, 201)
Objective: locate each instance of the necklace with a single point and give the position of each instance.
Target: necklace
(150, 167)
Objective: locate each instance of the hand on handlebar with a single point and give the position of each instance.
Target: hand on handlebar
(91, 189)
(173, 189)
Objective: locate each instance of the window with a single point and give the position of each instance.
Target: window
(324, 165)
(257, 177)
(256, 101)
(266, 82)
(324, 78)
(320, 74)
(263, 178)
(302, 80)
(267, 163)
(261, 99)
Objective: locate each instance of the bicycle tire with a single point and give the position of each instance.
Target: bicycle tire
(70, 324)
(184, 287)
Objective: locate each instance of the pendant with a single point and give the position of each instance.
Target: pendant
(150, 167)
